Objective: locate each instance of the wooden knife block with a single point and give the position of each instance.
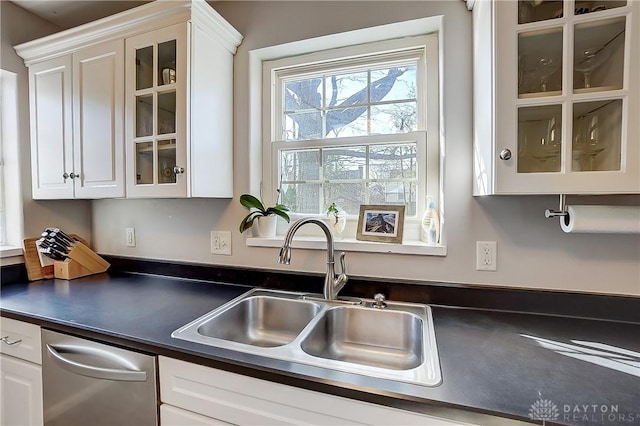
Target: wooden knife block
(82, 261)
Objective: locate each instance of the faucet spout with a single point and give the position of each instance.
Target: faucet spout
(333, 282)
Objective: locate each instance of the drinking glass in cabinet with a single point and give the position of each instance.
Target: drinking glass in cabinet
(166, 113)
(540, 63)
(538, 10)
(597, 136)
(166, 161)
(144, 115)
(539, 139)
(582, 7)
(144, 68)
(599, 55)
(144, 163)
(541, 10)
(167, 62)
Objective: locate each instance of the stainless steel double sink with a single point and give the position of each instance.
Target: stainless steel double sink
(395, 343)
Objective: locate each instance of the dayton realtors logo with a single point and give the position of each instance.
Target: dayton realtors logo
(546, 410)
(543, 409)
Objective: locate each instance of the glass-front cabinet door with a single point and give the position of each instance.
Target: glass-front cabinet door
(567, 96)
(156, 135)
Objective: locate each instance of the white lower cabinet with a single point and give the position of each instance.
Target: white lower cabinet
(229, 398)
(20, 374)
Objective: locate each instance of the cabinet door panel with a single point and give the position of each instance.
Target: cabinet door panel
(556, 98)
(156, 111)
(20, 392)
(51, 138)
(98, 120)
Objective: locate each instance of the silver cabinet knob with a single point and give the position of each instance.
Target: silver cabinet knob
(505, 154)
(74, 175)
(178, 170)
(65, 175)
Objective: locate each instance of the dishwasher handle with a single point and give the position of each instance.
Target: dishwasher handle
(129, 374)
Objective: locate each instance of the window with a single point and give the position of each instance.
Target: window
(11, 228)
(355, 125)
(350, 118)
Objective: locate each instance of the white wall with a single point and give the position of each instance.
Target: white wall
(532, 251)
(18, 26)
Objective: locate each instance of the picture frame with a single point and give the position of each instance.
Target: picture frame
(381, 223)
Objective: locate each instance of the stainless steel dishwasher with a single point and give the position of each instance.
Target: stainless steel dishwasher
(90, 383)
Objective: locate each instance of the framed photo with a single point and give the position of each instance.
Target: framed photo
(381, 223)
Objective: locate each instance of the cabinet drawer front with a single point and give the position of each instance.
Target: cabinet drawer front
(239, 399)
(20, 339)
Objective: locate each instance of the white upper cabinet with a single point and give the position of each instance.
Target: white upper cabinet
(77, 112)
(556, 97)
(138, 104)
(179, 89)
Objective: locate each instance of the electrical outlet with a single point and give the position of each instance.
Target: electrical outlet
(486, 255)
(130, 237)
(221, 242)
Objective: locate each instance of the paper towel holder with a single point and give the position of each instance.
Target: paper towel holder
(562, 210)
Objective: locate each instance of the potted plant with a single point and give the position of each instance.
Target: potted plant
(338, 219)
(266, 216)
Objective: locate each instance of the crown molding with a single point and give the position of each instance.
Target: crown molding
(154, 15)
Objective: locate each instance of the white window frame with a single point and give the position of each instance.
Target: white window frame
(417, 49)
(354, 44)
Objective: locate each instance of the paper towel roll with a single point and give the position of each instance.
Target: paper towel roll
(602, 219)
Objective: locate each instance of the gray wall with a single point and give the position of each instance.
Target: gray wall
(19, 26)
(532, 251)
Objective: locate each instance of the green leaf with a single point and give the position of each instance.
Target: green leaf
(281, 207)
(279, 211)
(249, 201)
(247, 222)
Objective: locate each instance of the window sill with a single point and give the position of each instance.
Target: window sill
(351, 244)
(10, 251)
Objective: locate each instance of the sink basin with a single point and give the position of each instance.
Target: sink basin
(396, 343)
(261, 321)
(378, 338)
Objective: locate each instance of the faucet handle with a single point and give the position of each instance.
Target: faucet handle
(343, 267)
(379, 301)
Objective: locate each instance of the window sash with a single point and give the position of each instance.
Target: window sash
(430, 183)
(422, 157)
(282, 71)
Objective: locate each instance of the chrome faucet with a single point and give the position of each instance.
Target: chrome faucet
(333, 282)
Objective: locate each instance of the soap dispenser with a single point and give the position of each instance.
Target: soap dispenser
(430, 224)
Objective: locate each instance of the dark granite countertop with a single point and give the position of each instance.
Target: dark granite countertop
(493, 362)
